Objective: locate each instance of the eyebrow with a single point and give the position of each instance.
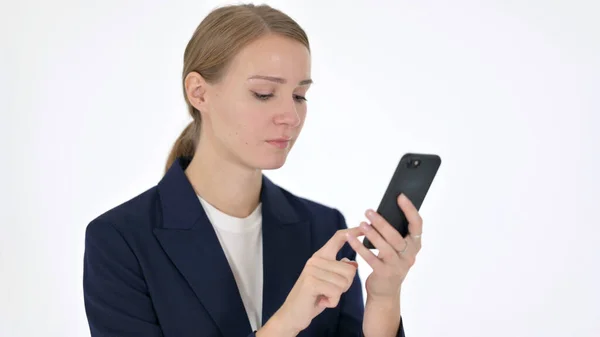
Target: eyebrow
(278, 79)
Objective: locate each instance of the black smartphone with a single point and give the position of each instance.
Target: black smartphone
(413, 177)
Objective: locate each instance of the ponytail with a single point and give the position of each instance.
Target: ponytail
(185, 145)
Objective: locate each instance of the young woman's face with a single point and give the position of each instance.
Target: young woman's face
(256, 112)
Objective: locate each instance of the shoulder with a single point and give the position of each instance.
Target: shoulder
(138, 214)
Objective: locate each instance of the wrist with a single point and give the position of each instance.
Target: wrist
(277, 326)
(385, 302)
(382, 316)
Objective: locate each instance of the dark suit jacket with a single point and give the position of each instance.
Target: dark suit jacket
(153, 265)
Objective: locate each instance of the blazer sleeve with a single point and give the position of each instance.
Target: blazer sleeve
(116, 298)
(351, 302)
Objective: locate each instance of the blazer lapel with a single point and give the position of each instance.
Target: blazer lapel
(286, 246)
(191, 243)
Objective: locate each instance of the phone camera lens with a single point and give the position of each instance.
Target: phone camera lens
(412, 163)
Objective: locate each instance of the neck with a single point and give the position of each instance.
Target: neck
(228, 186)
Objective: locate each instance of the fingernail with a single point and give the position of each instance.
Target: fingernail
(370, 214)
(403, 196)
(345, 259)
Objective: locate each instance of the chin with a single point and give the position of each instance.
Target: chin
(266, 160)
(271, 161)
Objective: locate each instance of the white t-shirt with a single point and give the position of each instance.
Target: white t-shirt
(241, 239)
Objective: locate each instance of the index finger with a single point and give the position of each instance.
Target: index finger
(337, 241)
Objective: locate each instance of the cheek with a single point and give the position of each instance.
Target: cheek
(247, 124)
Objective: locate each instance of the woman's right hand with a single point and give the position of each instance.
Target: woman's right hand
(320, 285)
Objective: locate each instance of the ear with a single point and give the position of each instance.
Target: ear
(195, 89)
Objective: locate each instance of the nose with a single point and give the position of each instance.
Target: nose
(289, 115)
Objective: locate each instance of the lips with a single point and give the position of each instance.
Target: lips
(281, 143)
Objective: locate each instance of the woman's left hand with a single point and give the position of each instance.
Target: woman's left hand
(396, 254)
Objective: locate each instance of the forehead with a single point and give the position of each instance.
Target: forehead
(273, 55)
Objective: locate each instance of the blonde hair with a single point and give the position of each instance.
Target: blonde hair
(216, 41)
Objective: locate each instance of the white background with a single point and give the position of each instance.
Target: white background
(506, 92)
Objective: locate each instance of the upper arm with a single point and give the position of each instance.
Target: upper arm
(116, 299)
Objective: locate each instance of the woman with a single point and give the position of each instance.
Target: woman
(216, 248)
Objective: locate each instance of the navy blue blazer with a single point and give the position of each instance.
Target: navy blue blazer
(153, 266)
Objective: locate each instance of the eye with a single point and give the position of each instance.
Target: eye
(300, 98)
(263, 97)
